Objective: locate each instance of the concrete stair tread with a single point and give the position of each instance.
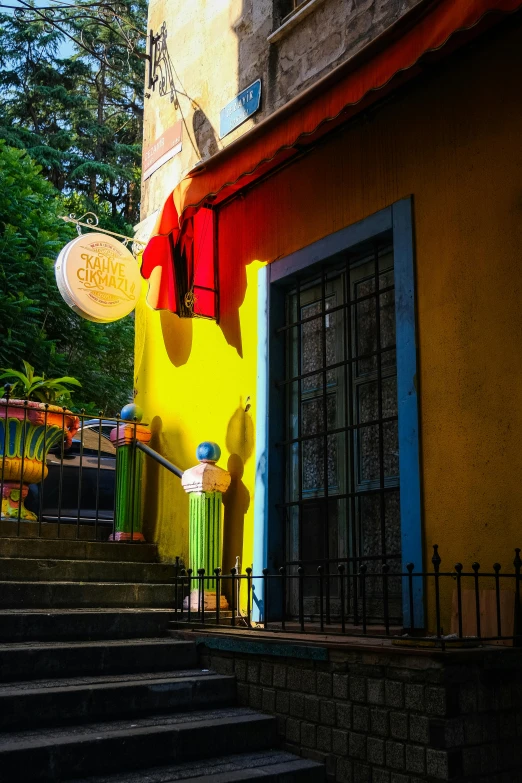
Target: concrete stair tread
(72, 594)
(50, 561)
(70, 549)
(236, 767)
(87, 623)
(97, 644)
(44, 660)
(85, 610)
(71, 734)
(49, 702)
(38, 583)
(27, 569)
(145, 678)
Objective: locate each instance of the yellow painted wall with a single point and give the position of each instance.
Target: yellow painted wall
(453, 140)
(193, 387)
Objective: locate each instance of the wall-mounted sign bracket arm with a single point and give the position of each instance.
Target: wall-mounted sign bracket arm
(92, 223)
(160, 70)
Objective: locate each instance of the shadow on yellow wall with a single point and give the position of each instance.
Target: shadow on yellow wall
(177, 337)
(236, 500)
(151, 484)
(232, 290)
(178, 332)
(164, 501)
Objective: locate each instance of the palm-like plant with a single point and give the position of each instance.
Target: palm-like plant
(38, 387)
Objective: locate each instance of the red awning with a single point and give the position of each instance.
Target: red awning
(180, 246)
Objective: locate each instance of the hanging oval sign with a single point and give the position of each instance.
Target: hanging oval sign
(98, 277)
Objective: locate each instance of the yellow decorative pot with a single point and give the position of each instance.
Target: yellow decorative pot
(27, 431)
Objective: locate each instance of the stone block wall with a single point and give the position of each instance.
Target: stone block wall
(219, 48)
(333, 32)
(388, 715)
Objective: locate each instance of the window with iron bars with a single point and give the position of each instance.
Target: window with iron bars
(341, 443)
(338, 482)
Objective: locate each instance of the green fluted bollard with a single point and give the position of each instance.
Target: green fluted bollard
(129, 473)
(205, 484)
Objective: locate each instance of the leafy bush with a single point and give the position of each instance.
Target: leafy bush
(38, 387)
(34, 320)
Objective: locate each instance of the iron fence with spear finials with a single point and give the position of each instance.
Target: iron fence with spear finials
(459, 606)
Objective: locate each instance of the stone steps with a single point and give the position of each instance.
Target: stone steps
(57, 549)
(92, 683)
(273, 766)
(42, 625)
(31, 661)
(51, 702)
(21, 569)
(71, 595)
(68, 529)
(66, 752)
(97, 708)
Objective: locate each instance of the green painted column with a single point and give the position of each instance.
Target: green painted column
(205, 545)
(129, 473)
(205, 484)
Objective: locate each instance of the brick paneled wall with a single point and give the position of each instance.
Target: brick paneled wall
(391, 716)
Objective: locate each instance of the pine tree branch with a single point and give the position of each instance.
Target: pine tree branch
(26, 12)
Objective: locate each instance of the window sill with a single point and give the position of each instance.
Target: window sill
(294, 19)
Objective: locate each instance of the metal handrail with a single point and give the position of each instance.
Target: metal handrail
(102, 495)
(161, 460)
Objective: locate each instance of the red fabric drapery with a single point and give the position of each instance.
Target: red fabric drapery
(179, 263)
(180, 230)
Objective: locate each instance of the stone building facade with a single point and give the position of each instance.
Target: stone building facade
(220, 47)
(417, 155)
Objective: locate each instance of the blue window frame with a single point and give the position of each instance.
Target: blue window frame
(392, 227)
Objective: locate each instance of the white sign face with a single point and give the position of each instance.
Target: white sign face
(98, 277)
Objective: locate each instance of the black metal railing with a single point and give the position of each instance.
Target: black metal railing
(442, 607)
(61, 475)
(159, 459)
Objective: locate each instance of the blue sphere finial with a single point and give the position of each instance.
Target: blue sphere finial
(131, 411)
(208, 451)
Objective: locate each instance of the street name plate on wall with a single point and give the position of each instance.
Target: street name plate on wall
(98, 277)
(162, 149)
(240, 109)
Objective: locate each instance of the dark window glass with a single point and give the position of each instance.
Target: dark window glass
(284, 7)
(341, 446)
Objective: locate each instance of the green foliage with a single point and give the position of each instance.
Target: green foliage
(80, 117)
(35, 322)
(38, 387)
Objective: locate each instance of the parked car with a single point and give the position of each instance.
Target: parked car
(81, 480)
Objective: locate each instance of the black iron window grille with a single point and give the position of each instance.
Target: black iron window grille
(341, 441)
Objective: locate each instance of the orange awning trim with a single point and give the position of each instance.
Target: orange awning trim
(299, 125)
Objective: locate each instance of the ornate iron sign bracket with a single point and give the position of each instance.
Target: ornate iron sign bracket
(160, 70)
(91, 221)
